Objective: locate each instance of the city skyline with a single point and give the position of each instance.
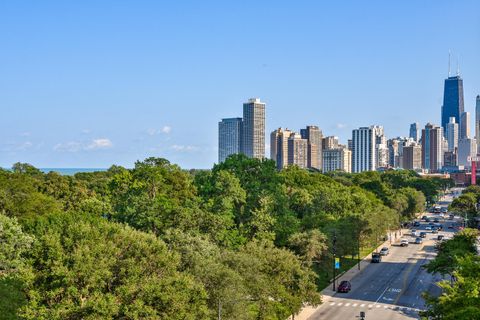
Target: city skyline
(75, 95)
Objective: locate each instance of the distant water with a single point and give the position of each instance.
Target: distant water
(71, 171)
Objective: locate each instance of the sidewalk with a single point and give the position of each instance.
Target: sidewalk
(326, 293)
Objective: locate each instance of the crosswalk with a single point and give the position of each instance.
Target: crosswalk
(374, 306)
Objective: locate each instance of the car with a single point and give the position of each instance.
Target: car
(384, 251)
(424, 217)
(423, 234)
(416, 224)
(436, 220)
(450, 227)
(376, 257)
(434, 230)
(431, 223)
(444, 210)
(427, 220)
(451, 217)
(404, 243)
(344, 286)
(440, 237)
(418, 240)
(413, 232)
(428, 228)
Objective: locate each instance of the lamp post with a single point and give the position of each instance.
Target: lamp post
(334, 261)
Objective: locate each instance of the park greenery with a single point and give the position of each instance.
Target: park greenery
(241, 240)
(459, 260)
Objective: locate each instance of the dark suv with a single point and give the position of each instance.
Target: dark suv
(376, 257)
(344, 286)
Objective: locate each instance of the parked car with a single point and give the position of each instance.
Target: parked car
(440, 237)
(404, 243)
(436, 220)
(428, 228)
(451, 216)
(416, 224)
(424, 217)
(376, 257)
(344, 286)
(384, 251)
(418, 240)
(434, 230)
(413, 232)
(423, 234)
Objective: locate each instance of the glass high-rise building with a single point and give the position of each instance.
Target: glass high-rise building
(364, 151)
(452, 100)
(229, 137)
(254, 128)
(415, 131)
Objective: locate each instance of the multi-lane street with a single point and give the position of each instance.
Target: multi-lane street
(392, 289)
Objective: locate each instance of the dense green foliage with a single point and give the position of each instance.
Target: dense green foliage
(466, 204)
(460, 299)
(156, 241)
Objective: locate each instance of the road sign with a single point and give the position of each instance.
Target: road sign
(337, 263)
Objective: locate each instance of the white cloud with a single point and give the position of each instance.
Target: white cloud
(75, 146)
(71, 146)
(182, 148)
(102, 143)
(166, 129)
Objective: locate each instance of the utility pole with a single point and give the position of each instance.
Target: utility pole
(358, 251)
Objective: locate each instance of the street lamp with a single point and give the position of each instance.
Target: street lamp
(334, 260)
(362, 315)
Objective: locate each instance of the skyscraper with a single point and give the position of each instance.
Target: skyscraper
(415, 131)
(330, 142)
(432, 147)
(297, 150)
(452, 100)
(254, 128)
(364, 153)
(339, 158)
(452, 134)
(477, 123)
(412, 157)
(279, 147)
(466, 149)
(314, 138)
(465, 125)
(229, 137)
(381, 148)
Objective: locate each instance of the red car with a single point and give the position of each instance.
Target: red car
(344, 286)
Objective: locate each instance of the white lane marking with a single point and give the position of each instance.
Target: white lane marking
(385, 307)
(381, 295)
(378, 306)
(332, 304)
(362, 305)
(355, 304)
(369, 305)
(347, 304)
(340, 304)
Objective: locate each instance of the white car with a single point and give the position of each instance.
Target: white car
(428, 228)
(404, 243)
(413, 232)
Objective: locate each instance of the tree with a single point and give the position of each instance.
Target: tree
(14, 243)
(84, 267)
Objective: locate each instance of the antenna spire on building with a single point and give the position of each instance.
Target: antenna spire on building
(449, 63)
(458, 65)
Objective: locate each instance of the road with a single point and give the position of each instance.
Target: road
(393, 288)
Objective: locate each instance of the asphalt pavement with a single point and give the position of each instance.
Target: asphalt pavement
(391, 289)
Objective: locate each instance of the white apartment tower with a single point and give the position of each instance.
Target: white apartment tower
(364, 151)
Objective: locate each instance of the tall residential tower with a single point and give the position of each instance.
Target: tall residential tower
(229, 137)
(254, 128)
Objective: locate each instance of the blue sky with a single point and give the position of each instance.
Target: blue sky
(95, 83)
